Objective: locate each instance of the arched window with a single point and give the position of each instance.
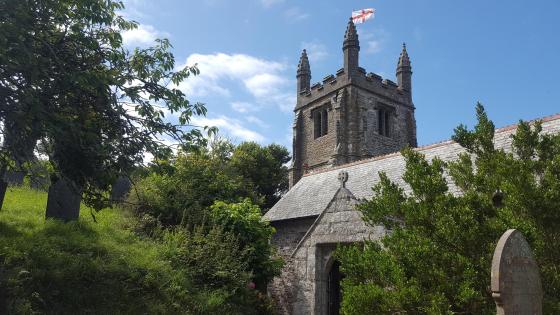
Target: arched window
(384, 122)
(324, 123)
(316, 124)
(320, 122)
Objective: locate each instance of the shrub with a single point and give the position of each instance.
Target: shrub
(182, 197)
(245, 221)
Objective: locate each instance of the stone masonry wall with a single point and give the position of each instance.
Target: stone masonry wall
(289, 233)
(317, 150)
(301, 289)
(361, 139)
(353, 103)
(375, 144)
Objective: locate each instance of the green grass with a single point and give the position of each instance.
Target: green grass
(80, 267)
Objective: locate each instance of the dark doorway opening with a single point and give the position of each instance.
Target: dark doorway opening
(334, 294)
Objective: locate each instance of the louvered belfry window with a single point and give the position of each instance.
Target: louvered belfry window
(384, 122)
(320, 122)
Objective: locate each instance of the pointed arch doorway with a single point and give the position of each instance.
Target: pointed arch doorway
(334, 292)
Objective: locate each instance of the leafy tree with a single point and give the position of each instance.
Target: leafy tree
(67, 80)
(181, 191)
(245, 221)
(264, 168)
(183, 194)
(437, 257)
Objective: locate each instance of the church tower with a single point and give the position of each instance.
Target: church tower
(350, 115)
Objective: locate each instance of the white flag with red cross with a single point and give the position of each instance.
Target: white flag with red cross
(361, 16)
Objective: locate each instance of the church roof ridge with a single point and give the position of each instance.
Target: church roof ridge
(312, 193)
(428, 146)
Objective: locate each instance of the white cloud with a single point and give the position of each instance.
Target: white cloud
(257, 121)
(263, 79)
(295, 14)
(264, 84)
(373, 46)
(316, 51)
(285, 101)
(374, 41)
(134, 9)
(232, 127)
(269, 3)
(143, 35)
(244, 107)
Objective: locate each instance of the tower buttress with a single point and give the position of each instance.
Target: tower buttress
(351, 48)
(303, 73)
(404, 71)
(296, 170)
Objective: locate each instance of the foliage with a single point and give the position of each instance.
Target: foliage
(105, 268)
(80, 267)
(181, 194)
(437, 257)
(218, 268)
(245, 221)
(180, 191)
(264, 168)
(67, 80)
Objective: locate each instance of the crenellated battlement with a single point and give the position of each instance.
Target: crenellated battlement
(369, 81)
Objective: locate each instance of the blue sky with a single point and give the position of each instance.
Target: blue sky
(504, 54)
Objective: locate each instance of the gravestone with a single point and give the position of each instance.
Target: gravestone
(3, 188)
(14, 178)
(516, 284)
(120, 189)
(63, 201)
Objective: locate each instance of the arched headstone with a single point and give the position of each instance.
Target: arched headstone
(516, 284)
(121, 188)
(63, 201)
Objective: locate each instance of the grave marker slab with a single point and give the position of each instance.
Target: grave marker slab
(516, 284)
(63, 201)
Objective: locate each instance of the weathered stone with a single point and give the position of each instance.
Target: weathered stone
(63, 201)
(3, 188)
(120, 189)
(14, 178)
(516, 284)
(355, 105)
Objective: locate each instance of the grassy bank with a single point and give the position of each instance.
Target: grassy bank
(81, 267)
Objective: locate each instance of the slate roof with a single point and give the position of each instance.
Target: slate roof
(312, 193)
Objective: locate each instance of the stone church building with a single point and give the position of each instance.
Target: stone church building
(346, 129)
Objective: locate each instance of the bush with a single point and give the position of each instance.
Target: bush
(217, 267)
(438, 256)
(182, 196)
(105, 268)
(245, 221)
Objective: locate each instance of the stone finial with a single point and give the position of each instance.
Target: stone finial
(343, 178)
(515, 283)
(303, 65)
(404, 60)
(303, 73)
(351, 35)
(351, 49)
(404, 71)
